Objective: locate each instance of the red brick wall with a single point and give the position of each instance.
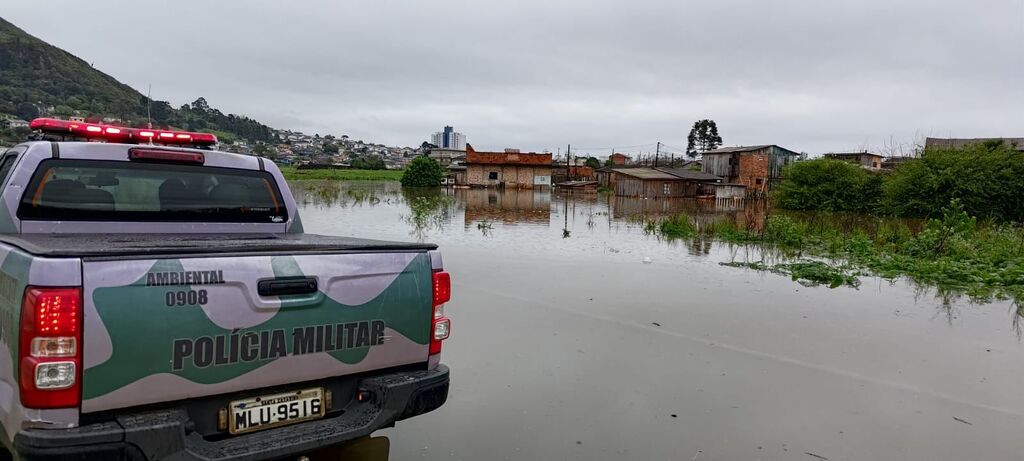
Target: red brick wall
(753, 167)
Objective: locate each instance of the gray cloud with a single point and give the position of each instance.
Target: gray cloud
(810, 75)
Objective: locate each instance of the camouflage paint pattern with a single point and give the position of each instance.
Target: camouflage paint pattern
(130, 331)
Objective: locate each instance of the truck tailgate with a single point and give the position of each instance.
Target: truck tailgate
(174, 328)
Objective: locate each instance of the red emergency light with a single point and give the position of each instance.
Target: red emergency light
(121, 134)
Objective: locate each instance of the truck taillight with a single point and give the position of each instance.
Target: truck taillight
(50, 347)
(440, 326)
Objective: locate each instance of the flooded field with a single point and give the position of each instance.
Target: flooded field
(579, 335)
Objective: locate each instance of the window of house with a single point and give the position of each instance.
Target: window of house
(666, 189)
(493, 175)
(759, 181)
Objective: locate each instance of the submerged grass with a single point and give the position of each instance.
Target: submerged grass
(955, 253)
(293, 173)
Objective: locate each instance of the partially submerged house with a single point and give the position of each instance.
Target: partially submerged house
(757, 168)
(660, 182)
(507, 169)
(560, 172)
(863, 159)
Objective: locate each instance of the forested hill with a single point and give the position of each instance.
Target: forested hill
(38, 79)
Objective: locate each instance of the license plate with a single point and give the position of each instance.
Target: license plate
(275, 410)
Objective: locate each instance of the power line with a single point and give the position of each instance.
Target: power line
(650, 144)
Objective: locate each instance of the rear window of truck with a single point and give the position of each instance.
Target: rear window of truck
(101, 190)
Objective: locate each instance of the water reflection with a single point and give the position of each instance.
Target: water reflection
(508, 207)
(429, 210)
(573, 224)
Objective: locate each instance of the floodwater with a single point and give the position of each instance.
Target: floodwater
(578, 336)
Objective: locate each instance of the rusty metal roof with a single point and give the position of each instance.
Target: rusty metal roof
(690, 174)
(741, 149)
(646, 173)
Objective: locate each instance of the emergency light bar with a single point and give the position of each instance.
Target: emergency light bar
(121, 134)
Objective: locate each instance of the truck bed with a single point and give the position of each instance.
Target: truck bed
(145, 245)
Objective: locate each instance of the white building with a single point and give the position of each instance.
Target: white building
(449, 139)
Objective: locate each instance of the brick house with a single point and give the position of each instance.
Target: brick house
(507, 169)
(619, 159)
(758, 168)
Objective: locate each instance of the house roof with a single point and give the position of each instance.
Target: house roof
(616, 167)
(646, 173)
(690, 174)
(960, 143)
(506, 158)
(742, 149)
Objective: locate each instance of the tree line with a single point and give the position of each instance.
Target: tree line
(986, 179)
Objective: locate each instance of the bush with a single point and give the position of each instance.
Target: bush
(783, 230)
(829, 185)
(986, 179)
(422, 172)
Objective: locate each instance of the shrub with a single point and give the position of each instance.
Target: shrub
(422, 172)
(829, 185)
(987, 180)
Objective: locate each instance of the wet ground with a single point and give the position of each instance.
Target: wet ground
(612, 344)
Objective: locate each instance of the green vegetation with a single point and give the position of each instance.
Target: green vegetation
(815, 272)
(986, 179)
(367, 162)
(427, 210)
(423, 172)
(829, 185)
(673, 227)
(35, 75)
(954, 252)
(703, 137)
(593, 162)
(293, 173)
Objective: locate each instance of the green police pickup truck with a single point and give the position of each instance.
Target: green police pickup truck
(159, 301)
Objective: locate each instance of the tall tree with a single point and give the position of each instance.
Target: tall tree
(703, 137)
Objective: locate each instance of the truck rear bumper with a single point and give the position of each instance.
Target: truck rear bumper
(164, 433)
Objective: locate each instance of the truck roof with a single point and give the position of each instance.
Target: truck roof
(149, 245)
(101, 149)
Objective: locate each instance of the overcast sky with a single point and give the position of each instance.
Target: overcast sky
(809, 75)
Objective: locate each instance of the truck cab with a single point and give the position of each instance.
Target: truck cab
(161, 300)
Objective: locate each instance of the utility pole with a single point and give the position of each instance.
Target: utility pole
(657, 150)
(568, 161)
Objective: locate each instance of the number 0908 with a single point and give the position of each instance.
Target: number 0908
(187, 298)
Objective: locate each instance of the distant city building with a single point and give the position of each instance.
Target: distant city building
(16, 123)
(449, 139)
